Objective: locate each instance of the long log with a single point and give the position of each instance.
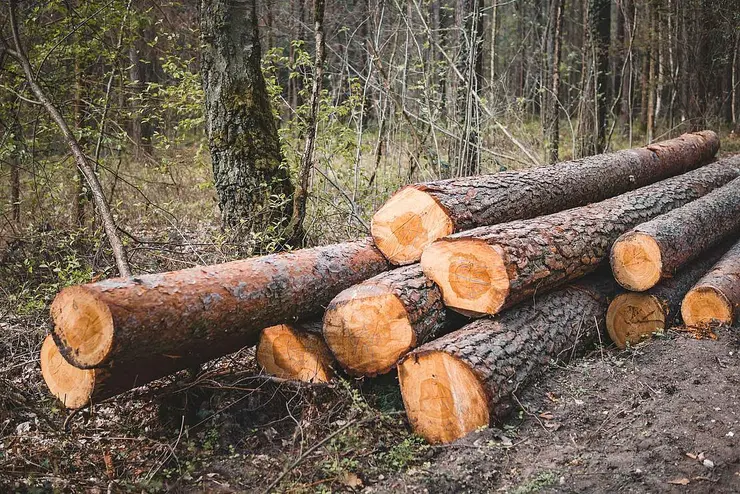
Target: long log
(198, 314)
(417, 215)
(715, 299)
(462, 381)
(296, 352)
(633, 316)
(656, 249)
(370, 326)
(76, 387)
(486, 269)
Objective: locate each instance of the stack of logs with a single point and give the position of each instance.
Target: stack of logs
(528, 245)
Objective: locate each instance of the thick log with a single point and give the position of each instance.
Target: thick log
(634, 316)
(656, 249)
(486, 269)
(370, 326)
(296, 352)
(76, 388)
(462, 381)
(715, 299)
(197, 314)
(419, 214)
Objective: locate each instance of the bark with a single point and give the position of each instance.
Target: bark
(716, 296)
(103, 210)
(632, 317)
(672, 240)
(651, 86)
(296, 352)
(551, 118)
(409, 222)
(194, 315)
(503, 355)
(371, 325)
(242, 132)
(601, 37)
(486, 269)
(295, 232)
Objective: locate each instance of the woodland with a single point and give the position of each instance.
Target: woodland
(140, 137)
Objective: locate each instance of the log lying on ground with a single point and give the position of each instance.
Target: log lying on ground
(76, 388)
(655, 250)
(368, 327)
(201, 313)
(296, 352)
(486, 269)
(633, 316)
(715, 299)
(460, 382)
(419, 214)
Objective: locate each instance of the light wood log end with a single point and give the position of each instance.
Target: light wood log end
(470, 273)
(367, 329)
(72, 386)
(704, 306)
(288, 353)
(636, 261)
(410, 220)
(634, 316)
(83, 325)
(444, 399)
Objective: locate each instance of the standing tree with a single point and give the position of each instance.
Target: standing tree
(253, 185)
(551, 112)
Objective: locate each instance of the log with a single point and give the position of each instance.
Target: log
(76, 388)
(715, 299)
(417, 215)
(464, 380)
(198, 314)
(486, 269)
(368, 327)
(656, 249)
(296, 352)
(634, 316)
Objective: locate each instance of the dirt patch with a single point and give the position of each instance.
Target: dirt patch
(663, 417)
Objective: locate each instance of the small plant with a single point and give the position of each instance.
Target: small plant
(537, 483)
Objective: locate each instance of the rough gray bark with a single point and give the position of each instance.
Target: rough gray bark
(242, 131)
(551, 118)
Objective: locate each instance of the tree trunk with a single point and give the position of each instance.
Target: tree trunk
(177, 315)
(634, 316)
(484, 270)
(716, 296)
(79, 202)
(655, 250)
(651, 86)
(419, 214)
(242, 132)
(462, 381)
(295, 233)
(551, 118)
(371, 325)
(601, 35)
(296, 352)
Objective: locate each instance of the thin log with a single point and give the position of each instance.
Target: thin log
(197, 314)
(633, 317)
(370, 326)
(296, 352)
(419, 214)
(715, 299)
(484, 270)
(462, 381)
(656, 249)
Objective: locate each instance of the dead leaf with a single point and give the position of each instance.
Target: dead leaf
(547, 415)
(552, 397)
(683, 481)
(691, 455)
(349, 479)
(552, 425)
(110, 470)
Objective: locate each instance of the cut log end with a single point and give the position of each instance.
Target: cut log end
(444, 399)
(406, 224)
(84, 323)
(704, 306)
(470, 273)
(368, 330)
(634, 316)
(290, 354)
(72, 386)
(636, 262)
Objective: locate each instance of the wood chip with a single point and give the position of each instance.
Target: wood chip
(683, 481)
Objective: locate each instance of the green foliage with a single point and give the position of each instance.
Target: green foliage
(539, 482)
(403, 454)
